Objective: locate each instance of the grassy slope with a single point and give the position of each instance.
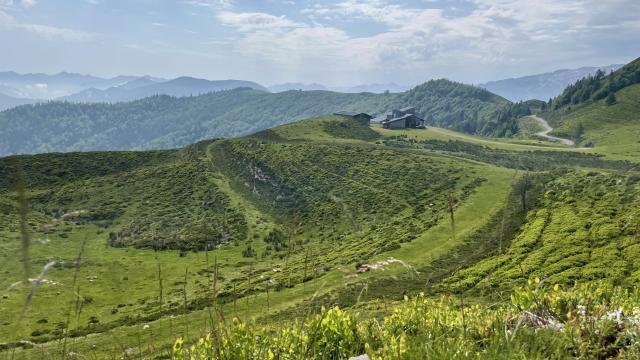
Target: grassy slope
(340, 245)
(355, 169)
(586, 228)
(614, 130)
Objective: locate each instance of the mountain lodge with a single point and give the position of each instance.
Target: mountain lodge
(401, 119)
(363, 118)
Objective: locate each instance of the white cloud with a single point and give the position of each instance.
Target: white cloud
(210, 3)
(8, 22)
(16, 4)
(255, 21)
(491, 34)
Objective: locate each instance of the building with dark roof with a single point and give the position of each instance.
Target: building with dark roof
(402, 119)
(361, 117)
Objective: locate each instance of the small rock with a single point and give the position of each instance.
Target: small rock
(128, 353)
(361, 357)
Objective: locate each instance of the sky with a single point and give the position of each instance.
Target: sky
(333, 42)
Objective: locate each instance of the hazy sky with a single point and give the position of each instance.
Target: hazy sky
(339, 42)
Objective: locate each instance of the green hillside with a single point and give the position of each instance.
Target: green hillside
(602, 112)
(145, 247)
(258, 204)
(585, 228)
(161, 122)
(599, 87)
(610, 129)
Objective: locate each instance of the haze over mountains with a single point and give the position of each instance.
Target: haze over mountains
(144, 87)
(542, 86)
(47, 87)
(19, 89)
(372, 88)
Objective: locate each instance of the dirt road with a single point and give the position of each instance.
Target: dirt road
(547, 129)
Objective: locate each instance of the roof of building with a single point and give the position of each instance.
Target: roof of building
(351, 113)
(402, 118)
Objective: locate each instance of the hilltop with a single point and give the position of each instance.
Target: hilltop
(161, 122)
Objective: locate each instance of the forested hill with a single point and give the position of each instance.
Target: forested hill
(164, 122)
(600, 86)
(601, 111)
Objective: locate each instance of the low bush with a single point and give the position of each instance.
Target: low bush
(538, 321)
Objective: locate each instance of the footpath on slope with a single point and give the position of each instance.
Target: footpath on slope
(547, 129)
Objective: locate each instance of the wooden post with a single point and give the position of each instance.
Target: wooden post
(451, 201)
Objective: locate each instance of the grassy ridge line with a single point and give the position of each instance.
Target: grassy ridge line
(400, 278)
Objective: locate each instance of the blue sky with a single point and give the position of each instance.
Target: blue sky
(339, 42)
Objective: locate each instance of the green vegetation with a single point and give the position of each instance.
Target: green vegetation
(600, 86)
(528, 126)
(277, 210)
(613, 130)
(534, 160)
(146, 247)
(461, 107)
(161, 122)
(601, 112)
(537, 323)
(586, 228)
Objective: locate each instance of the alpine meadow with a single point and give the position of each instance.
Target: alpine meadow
(356, 198)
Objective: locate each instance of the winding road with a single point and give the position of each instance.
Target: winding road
(547, 129)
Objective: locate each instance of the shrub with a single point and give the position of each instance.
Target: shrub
(586, 321)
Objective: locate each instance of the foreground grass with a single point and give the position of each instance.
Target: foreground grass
(538, 322)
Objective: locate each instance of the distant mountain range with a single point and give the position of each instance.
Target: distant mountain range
(145, 86)
(19, 89)
(542, 86)
(47, 87)
(296, 86)
(371, 88)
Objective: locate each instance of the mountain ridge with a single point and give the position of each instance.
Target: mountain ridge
(178, 87)
(541, 86)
